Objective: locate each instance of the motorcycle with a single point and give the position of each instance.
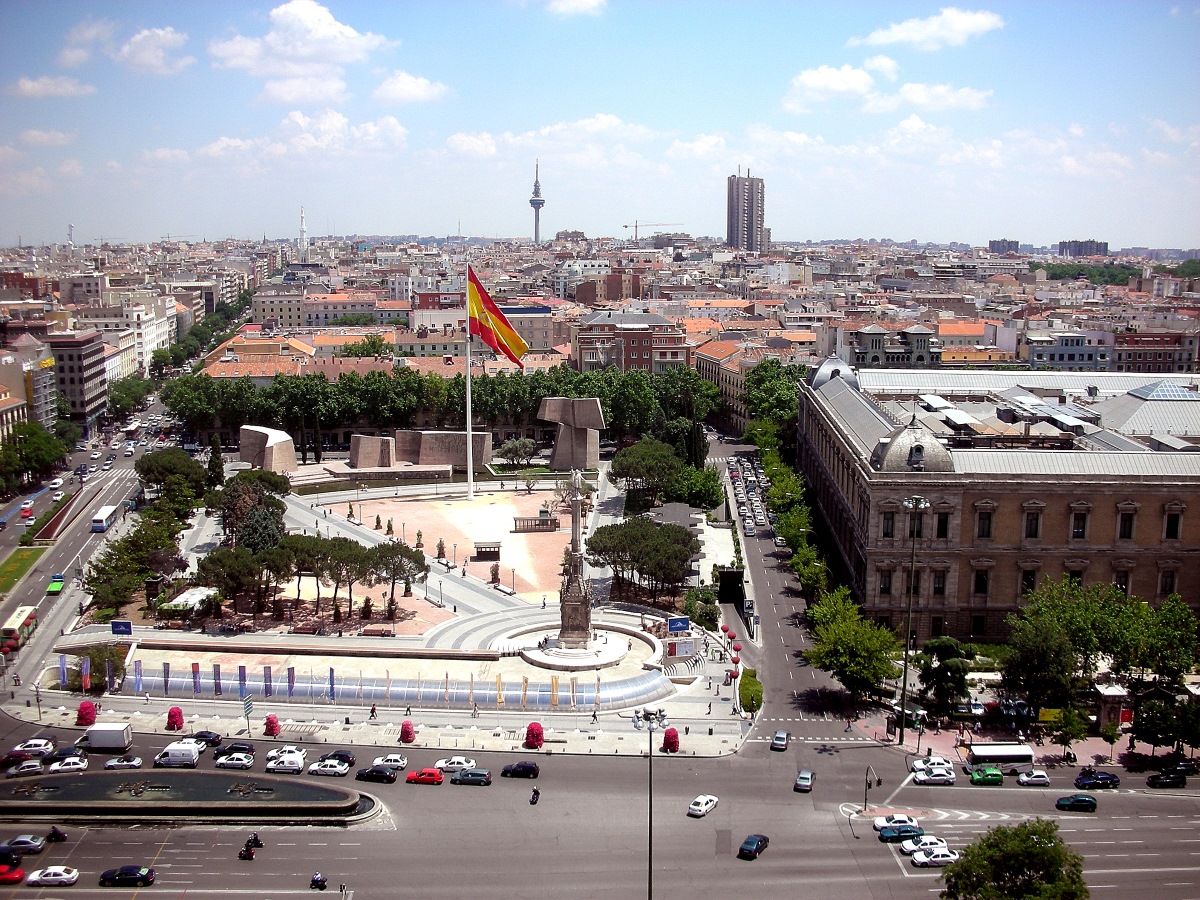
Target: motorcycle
(318, 883)
(254, 840)
(246, 853)
(535, 797)
(55, 836)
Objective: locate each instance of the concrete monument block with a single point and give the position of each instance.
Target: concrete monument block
(443, 448)
(577, 444)
(267, 448)
(367, 452)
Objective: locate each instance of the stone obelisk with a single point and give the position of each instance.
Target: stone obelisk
(575, 606)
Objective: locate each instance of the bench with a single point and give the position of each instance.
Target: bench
(378, 631)
(306, 629)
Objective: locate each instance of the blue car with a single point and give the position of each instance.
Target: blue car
(894, 834)
(753, 845)
(1090, 781)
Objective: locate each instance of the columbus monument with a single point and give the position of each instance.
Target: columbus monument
(575, 605)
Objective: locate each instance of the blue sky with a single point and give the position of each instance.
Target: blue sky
(1040, 121)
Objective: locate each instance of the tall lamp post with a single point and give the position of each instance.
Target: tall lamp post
(916, 506)
(653, 720)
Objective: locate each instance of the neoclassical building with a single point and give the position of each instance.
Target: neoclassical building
(1012, 477)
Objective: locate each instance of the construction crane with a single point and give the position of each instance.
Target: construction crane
(636, 225)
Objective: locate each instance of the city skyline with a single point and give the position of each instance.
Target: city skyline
(910, 121)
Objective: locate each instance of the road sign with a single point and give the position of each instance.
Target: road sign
(122, 626)
(248, 705)
(678, 624)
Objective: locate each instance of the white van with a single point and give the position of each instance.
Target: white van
(178, 755)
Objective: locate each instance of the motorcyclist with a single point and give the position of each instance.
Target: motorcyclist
(55, 834)
(537, 794)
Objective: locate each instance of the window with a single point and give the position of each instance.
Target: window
(1076, 575)
(1033, 524)
(914, 583)
(885, 583)
(889, 525)
(1028, 580)
(939, 583)
(935, 627)
(1079, 523)
(1121, 580)
(983, 523)
(1171, 527)
(978, 626)
(943, 525)
(915, 521)
(1166, 583)
(1125, 526)
(981, 582)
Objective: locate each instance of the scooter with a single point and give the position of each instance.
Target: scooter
(246, 853)
(55, 836)
(535, 797)
(318, 882)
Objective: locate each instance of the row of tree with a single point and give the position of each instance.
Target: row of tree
(656, 556)
(214, 328)
(658, 472)
(28, 453)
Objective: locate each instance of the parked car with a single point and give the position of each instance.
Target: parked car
(1185, 767)
(1090, 781)
(329, 767)
(291, 764)
(1167, 780)
(124, 762)
(480, 777)
(341, 755)
(287, 750)
(454, 764)
(702, 806)
(233, 747)
(925, 842)
(895, 834)
(65, 766)
(424, 776)
(1036, 778)
(380, 774)
(210, 738)
(931, 762)
(393, 761)
(522, 769)
(894, 820)
(1076, 803)
(940, 856)
(987, 775)
(753, 845)
(235, 761)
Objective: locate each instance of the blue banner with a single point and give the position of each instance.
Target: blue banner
(62, 670)
(332, 697)
(241, 682)
(195, 678)
(166, 678)
(137, 676)
(291, 681)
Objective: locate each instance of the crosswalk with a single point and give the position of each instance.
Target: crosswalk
(115, 475)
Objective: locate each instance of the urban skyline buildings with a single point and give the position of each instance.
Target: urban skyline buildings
(744, 212)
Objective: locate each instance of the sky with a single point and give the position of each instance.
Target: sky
(1039, 121)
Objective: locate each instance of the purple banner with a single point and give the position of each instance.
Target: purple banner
(166, 678)
(62, 670)
(137, 676)
(217, 679)
(241, 682)
(291, 681)
(195, 678)
(267, 691)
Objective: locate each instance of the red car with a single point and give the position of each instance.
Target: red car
(27, 513)
(424, 776)
(11, 875)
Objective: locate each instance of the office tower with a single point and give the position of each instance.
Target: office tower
(744, 213)
(303, 238)
(1090, 247)
(1004, 245)
(537, 203)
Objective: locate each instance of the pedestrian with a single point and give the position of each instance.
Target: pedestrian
(147, 696)
(543, 602)
(629, 645)
(475, 711)
(595, 717)
(464, 570)
(978, 729)
(709, 713)
(408, 710)
(847, 728)
(710, 682)
(374, 712)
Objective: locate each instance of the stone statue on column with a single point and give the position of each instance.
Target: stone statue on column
(575, 607)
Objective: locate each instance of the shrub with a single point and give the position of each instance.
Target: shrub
(271, 725)
(408, 734)
(174, 719)
(534, 737)
(671, 740)
(86, 714)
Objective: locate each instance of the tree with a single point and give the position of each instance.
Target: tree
(1071, 727)
(517, 450)
(261, 529)
(126, 394)
(1041, 664)
(1014, 862)
(159, 361)
(857, 653)
(155, 468)
(216, 462)
(372, 345)
(1111, 734)
(1155, 724)
(233, 572)
(32, 451)
(649, 464)
(943, 665)
(393, 563)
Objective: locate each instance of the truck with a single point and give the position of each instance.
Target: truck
(111, 737)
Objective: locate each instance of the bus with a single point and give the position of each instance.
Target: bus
(1009, 758)
(104, 518)
(20, 625)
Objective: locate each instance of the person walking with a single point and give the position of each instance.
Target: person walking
(408, 710)
(595, 717)
(709, 713)
(374, 712)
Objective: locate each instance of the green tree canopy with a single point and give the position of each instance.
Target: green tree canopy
(857, 653)
(1028, 861)
(126, 394)
(649, 465)
(155, 468)
(372, 345)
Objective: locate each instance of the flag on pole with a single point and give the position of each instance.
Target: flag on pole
(387, 690)
(242, 682)
(85, 673)
(137, 676)
(62, 670)
(217, 679)
(291, 680)
(486, 320)
(268, 688)
(166, 678)
(110, 675)
(332, 697)
(195, 678)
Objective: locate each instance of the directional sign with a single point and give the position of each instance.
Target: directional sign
(122, 626)
(678, 624)
(248, 705)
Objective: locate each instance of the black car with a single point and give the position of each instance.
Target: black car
(1167, 780)
(64, 753)
(127, 876)
(234, 747)
(1096, 780)
(480, 777)
(380, 774)
(753, 845)
(522, 769)
(1184, 767)
(341, 755)
(209, 737)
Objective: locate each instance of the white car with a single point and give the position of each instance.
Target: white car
(235, 761)
(56, 496)
(939, 857)
(124, 762)
(329, 767)
(893, 820)
(392, 761)
(200, 745)
(55, 483)
(95, 454)
(286, 765)
(70, 764)
(925, 842)
(454, 764)
(1036, 778)
(53, 875)
(287, 750)
(934, 776)
(702, 805)
(26, 504)
(931, 762)
(36, 746)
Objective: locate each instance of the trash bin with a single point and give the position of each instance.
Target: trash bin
(347, 720)
(710, 731)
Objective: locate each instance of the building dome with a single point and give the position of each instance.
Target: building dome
(830, 368)
(912, 448)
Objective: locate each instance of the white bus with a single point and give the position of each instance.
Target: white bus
(1009, 758)
(104, 517)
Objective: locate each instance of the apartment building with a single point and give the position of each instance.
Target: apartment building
(1154, 351)
(150, 316)
(27, 371)
(629, 341)
(874, 346)
(79, 364)
(1068, 351)
(277, 310)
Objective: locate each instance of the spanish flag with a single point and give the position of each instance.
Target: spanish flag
(486, 320)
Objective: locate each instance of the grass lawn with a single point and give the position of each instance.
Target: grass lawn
(18, 563)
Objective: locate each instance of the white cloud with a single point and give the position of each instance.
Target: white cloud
(166, 154)
(78, 48)
(29, 181)
(1156, 157)
(70, 168)
(150, 51)
(884, 65)
(951, 27)
(401, 87)
(1189, 135)
(576, 7)
(704, 146)
(45, 138)
(8, 153)
(1104, 163)
(49, 86)
(328, 133)
(819, 84)
(229, 146)
(314, 91)
(479, 145)
(930, 97)
(1075, 130)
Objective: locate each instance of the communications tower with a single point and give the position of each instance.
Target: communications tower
(537, 203)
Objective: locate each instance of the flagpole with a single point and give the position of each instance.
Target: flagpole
(470, 436)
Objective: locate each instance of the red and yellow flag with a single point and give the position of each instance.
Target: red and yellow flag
(489, 323)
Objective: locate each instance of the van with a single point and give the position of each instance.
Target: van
(178, 755)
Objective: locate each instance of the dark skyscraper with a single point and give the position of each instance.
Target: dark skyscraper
(537, 203)
(744, 213)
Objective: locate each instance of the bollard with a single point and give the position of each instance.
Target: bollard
(347, 720)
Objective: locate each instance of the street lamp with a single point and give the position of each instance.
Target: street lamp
(456, 555)
(514, 573)
(653, 720)
(915, 505)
